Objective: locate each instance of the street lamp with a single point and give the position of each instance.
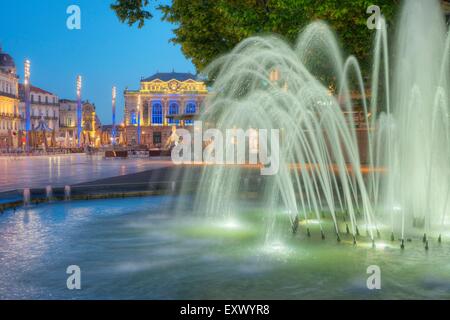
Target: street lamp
(27, 73)
(79, 110)
(113, 130)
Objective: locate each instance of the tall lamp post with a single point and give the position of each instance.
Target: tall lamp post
(79, 110)
(139, 120)
(113, 130)
(27, 105)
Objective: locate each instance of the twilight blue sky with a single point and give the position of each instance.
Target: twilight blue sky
(105, 52)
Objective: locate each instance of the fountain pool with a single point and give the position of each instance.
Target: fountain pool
(217, 245)
(138, 249)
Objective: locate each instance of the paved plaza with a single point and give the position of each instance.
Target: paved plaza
(38, 172)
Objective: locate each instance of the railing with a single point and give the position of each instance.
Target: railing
(43, 103)
(9, 95)
(45, 117)
(10, 115)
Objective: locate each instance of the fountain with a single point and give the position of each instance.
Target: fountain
(266, 229)
(266, 83)
(26, 197)
(67, 193)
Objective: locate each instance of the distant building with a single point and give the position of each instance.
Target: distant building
(68, 124)
(9, 103)
(167, 99)
(91, 125)
(44, 104)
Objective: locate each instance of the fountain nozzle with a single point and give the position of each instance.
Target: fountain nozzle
(373, 243)
(424, 239)
(357, 231)
(347, 228)
(439, 238)
(426, 245)
(308, 233)
(392, 236)
(323, 234)
(338, 237)
(354, 240)
(378, 234)
(402, 246)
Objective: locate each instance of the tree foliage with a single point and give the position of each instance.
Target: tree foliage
(206, 29)
(132, 11)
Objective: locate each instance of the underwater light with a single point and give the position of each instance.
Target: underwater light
(276, 247)
(382, 245)
(231, 224)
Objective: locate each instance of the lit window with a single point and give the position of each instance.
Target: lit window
(173, 110)
(190, 108)
(157, 113)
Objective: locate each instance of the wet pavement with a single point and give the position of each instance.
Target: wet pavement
(40, 171)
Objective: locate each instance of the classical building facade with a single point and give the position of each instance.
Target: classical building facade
(68, 122)
(90, 123)
(9, 103)
(163, 100)
(44, 105)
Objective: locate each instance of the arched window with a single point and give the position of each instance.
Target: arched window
(190, 108)
(174, 109)
(157, 113)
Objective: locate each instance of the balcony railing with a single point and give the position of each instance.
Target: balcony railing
(43, 103)
(9, 95)
(9, 115)
(45, 117)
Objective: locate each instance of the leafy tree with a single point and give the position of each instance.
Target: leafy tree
(132, 11)
(206, 29)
